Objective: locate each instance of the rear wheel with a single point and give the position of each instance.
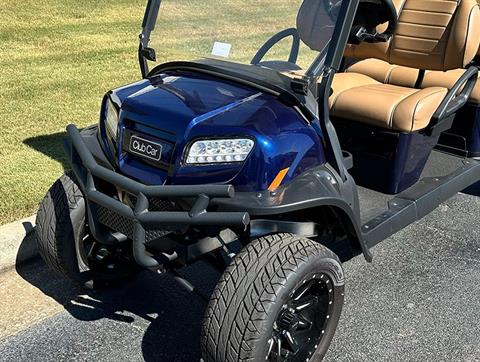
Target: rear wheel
(66, 245)
(279, 300)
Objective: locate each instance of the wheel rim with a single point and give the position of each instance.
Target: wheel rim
(97, 258)
(301, 324)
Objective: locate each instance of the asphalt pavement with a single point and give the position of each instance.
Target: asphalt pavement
(418, 301)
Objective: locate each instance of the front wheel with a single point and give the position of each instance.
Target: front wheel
(279, 300)
(66, 245)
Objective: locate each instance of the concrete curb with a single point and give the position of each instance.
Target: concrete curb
(17, 244)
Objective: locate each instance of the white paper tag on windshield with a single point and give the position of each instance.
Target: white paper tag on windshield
(221, 49)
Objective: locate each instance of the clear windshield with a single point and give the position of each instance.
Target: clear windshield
(235, 30)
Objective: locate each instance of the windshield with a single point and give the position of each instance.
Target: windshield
(235, 31)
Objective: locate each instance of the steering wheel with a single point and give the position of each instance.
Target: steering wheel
(371, 14)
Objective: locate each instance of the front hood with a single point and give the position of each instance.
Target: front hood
(176, 108)
(172, 101)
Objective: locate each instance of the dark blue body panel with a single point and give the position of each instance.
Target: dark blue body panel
(385, 161)
(174, 109)
(395, 165)
(464, 136)
(473, 137)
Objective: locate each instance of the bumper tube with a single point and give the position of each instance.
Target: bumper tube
(121, 222)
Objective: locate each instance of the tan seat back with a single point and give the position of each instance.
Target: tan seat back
(430, 34)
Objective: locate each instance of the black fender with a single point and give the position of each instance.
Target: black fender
(92, 139)
(317, 188)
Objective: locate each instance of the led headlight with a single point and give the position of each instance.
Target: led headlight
(111, 119)
(219, 151)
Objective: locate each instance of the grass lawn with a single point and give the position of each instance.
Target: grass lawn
(59, 57)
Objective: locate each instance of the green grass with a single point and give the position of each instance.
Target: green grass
(59, 57)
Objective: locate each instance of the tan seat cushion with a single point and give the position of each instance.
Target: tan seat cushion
(360, 98)
(342, 83)
(407, 77)
(385, 72)
(448, 80)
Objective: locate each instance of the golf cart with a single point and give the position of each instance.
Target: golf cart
(274, 163)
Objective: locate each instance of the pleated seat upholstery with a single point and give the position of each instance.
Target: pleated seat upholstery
(437, 35)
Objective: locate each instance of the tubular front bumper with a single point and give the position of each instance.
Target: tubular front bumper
(112, 221)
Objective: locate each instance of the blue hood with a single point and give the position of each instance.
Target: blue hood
(171, 101)
(176, 108)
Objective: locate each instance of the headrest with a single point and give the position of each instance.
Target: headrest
(430, 34)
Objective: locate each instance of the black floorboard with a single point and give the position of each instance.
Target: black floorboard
(373, 203)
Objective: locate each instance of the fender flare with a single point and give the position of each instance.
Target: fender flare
(316, 188)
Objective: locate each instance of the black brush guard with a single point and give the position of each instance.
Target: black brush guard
(112, 221)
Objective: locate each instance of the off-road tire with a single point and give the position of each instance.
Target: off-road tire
(242, 310)
(59, 225)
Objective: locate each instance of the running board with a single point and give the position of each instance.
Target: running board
(418, 201)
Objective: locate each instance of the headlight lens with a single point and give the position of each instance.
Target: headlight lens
(111, 119)
(219, 151)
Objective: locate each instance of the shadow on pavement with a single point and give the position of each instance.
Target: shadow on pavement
(27, 249)
(170, 316)
(473, 190)
(50, 145)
